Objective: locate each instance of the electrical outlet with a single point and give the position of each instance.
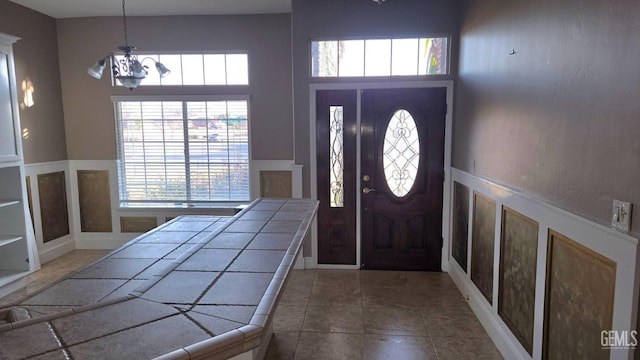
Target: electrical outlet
(621, 215)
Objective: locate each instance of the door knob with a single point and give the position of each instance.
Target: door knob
(367, 190)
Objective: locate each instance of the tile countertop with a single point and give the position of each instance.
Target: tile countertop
(196, 287)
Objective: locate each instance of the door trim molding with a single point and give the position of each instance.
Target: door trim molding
(446, 185)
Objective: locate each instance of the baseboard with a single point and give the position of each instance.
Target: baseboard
(299, 264)
(12, 287)
(337, 267)
(507, 345)
(309, 263)
(58, 250)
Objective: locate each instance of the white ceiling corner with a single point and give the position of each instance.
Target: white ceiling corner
(85, 8)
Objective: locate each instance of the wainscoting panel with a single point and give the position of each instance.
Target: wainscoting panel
(579, 300)
(518, 259)
(53, 205)
(52, 247)
(482, 249)
(275, 184)
(138, 224)
(275, 171)
(460, 231)
(592, 280)
(94, 196)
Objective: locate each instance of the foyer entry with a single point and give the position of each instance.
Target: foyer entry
(395, 188)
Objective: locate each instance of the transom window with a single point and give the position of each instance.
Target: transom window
(182, 150)
(197, 69)
(379, 57)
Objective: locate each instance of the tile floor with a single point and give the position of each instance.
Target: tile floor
(352, 314)
(54, 270)
(349, 314)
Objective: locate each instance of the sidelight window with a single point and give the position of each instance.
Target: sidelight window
(336, 156)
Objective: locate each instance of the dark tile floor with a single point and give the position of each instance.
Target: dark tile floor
(352, 314)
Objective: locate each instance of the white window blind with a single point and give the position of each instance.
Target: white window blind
(183, 150)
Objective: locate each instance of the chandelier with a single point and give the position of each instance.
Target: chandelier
(128, 70)
(379, 1)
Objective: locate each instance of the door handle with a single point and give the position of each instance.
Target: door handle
(367, 190)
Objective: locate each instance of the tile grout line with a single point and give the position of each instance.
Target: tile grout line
(186, 314)
(248, 210)
(122, 330)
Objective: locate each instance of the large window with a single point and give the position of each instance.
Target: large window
(379, 57)
(196, 69)
(182, 150)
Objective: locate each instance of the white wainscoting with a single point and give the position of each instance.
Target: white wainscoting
(273, 165)
(111, 240)
(612, 244)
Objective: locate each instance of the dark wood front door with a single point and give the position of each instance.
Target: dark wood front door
(403, 132)
(336, 155)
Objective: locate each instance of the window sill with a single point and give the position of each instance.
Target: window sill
(182, 205)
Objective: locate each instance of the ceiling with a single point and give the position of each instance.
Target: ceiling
(84, 8)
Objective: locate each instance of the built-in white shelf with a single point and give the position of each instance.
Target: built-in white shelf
(8, 239)
(4, 203)
(17, 240)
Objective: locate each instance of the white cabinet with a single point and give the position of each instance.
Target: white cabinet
(17, 241)
(14, 255)
(8, 143)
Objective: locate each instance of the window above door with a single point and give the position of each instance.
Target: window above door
(420, 56)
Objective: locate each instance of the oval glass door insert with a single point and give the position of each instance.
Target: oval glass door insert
(401, 153)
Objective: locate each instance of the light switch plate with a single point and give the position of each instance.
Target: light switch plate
(621, 215)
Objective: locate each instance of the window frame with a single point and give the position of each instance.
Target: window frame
(156, 55)
(127, 203)
(448, 48)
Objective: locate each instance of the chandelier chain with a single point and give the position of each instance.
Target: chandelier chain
(124, 23)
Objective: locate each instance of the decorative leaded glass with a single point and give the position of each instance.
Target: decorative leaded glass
(336, 157)
(401, 153)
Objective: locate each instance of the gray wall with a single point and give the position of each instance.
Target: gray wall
(560, 119)
(89, 117)
(36, 58)
(335, 19)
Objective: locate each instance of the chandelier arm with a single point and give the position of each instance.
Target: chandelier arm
(127, 70)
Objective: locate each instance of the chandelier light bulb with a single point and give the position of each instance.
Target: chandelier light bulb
(126, 69)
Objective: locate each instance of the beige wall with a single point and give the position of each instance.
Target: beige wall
(36, 58)
(561, 118)
(89, 118)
